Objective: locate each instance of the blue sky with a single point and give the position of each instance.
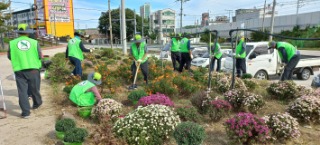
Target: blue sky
(192, 9)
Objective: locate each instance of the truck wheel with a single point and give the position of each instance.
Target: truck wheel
(304, 75)
(261, 75)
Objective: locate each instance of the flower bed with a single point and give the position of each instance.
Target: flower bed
(306, 109)
(219, 109)
(242, 101)
(147, 125)
(282, 126)
(157, 98)
(106, 108)
(247, 128)
(286, 90)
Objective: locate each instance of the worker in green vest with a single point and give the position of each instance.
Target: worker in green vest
(139, 53)
(74, 53)
(241, 57)
(86, 92)
(217, 54)
(289, 55)
(186, 54)
(25, 55)
(175, 51)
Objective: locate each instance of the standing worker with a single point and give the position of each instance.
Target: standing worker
(74, 52)
(175, 52)
(186, 54)
(139, 52)
(86, 92)
(25, 55)
(217, 54)
(241, 57)
(289, 55)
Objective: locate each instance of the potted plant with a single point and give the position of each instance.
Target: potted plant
(64, 125)
(75, 136)
(85, 112)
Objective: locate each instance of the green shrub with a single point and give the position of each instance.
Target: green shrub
(108, 52)
(64, 125)
(67, 89)
(107, 96)
(111, 62)
(189, 133)
(286, 90)
(75, 135)
(251, 84)
(186, 84)
(189, 113)
(246, 76)
(201, 102)
(135, 96)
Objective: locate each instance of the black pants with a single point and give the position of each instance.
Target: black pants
(288, 70)
(241, 66)
(185, 60)
(28, 80)
(144, 69)
(175, 57)
(218, 64)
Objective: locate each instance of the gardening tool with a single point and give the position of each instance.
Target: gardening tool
(135, 76)
(282, 71)
(4, 109)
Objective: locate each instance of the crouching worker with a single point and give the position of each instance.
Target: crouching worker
(86, 93)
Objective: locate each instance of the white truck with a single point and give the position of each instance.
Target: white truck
(263, 63)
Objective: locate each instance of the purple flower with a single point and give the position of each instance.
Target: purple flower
(157, 98)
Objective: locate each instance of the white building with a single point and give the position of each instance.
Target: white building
(163, 21)
(281, 23)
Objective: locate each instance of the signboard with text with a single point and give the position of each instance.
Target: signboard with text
(59, 10)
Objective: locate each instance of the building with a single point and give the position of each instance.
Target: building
(205, 19)
(281, 23)
(163, 21)
(247, 14)
(145, 11)
(53, 17)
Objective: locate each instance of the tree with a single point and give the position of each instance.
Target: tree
(256, 36)
(190, 26)
(205, 37)
(3, 18)
(104, 23)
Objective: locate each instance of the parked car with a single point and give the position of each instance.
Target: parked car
(263, 63)
(203, 61)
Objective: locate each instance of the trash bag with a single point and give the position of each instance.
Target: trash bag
(316, 81)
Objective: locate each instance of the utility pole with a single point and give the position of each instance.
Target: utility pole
(229, 15)
(181, 13)
(135, 21)
(121, 38)
(297, 13)
(264, 14)
(11, 20)
(110, 24)
(272, 19)
(123, 27)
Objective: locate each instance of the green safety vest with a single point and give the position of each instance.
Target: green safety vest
(184, 45)
(217, 51)
(74, 49)
(79, 96)
(24, 54)
(239, 48)
(290, 50)
(175, 45)
(139, 55)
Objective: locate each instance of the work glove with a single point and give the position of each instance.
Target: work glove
(191, 56)
(283, 65)
(139, 60)
(91, 50)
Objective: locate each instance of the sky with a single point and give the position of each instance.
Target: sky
(88, 17)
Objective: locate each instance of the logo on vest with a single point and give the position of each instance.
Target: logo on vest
(72, 41)
(24, 45)
(83, 83)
